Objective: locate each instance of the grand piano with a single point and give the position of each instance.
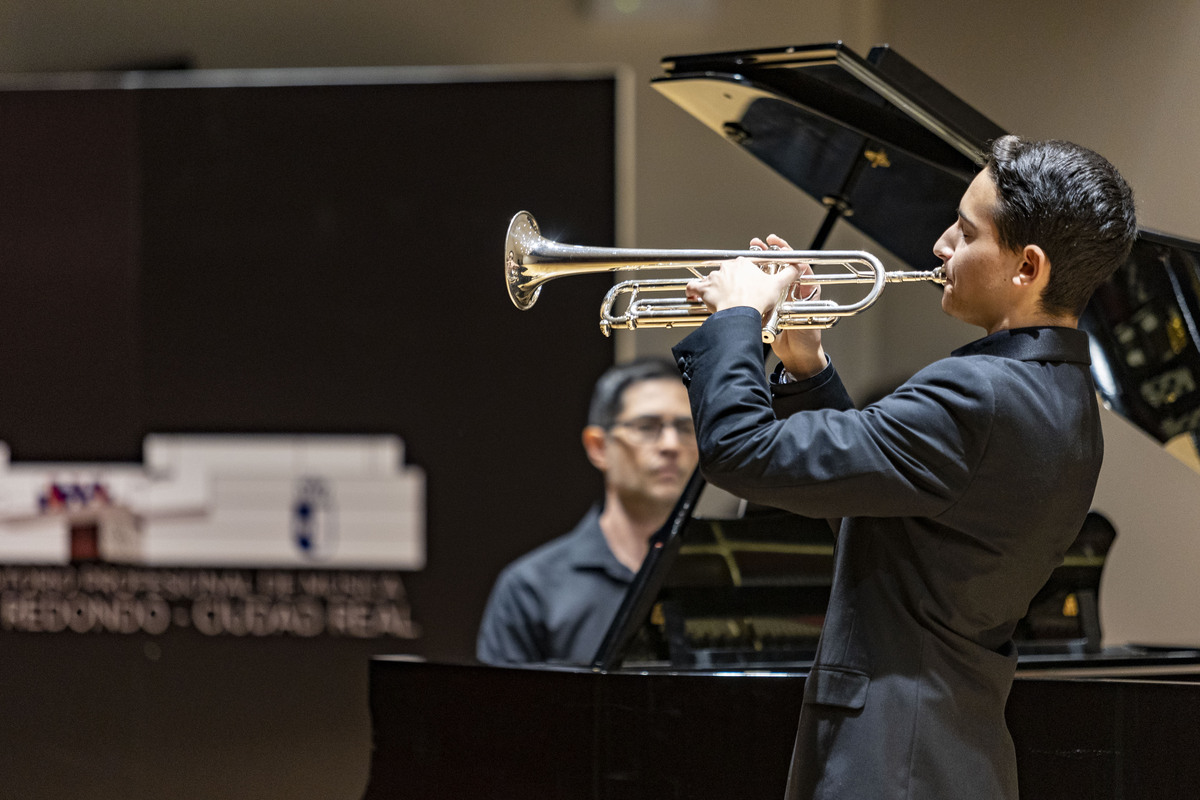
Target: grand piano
(695, 691)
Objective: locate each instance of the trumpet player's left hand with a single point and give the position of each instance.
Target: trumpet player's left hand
(741, 282)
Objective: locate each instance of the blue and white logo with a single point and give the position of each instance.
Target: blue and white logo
(314, 518)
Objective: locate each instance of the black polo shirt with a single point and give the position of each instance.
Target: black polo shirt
(554, 604)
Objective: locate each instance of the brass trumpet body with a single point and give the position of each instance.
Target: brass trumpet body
(531, 260)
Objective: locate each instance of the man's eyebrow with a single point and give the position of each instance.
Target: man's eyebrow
(965, 218)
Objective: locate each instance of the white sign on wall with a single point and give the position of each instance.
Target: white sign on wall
(222, 535)
(228, 500)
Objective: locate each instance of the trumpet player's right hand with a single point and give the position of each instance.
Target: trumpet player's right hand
(798, 349)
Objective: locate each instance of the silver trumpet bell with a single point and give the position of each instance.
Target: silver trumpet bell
(530, 260)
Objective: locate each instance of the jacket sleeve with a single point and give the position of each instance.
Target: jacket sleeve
(911, 454)
(823, 390)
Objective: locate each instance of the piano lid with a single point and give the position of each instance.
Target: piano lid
(876, 140)
(1145, 332)
(886, 147)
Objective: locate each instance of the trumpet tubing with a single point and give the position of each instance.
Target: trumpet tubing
(530, 260)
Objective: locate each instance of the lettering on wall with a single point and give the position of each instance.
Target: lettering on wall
(107, 598)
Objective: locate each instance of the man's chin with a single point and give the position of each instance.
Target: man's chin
(950, 307)
(668, 494)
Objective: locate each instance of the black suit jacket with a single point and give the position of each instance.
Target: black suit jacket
(959, 493)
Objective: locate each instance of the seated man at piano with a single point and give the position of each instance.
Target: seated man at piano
(554, 604)
(957, 494)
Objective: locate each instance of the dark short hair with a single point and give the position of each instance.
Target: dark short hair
(1069, 201)
(608, 398)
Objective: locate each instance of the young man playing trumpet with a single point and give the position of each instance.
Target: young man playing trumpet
(957, 494)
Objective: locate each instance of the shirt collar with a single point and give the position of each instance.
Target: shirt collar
(589, 548)
(1043, 343)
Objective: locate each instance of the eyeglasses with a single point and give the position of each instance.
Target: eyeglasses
(647, 430)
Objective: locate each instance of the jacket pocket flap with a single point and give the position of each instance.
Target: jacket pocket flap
(836, 687)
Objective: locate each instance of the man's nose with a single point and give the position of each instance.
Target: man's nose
(942, 248)
(670, 439)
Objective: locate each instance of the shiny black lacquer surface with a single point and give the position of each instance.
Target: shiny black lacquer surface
(877, 141)
(1145, 326)
(454, 731)
(445, 731)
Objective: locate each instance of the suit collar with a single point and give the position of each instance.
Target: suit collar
(1045, 343)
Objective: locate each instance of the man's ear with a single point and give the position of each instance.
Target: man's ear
(593, 444)
(1034, 269)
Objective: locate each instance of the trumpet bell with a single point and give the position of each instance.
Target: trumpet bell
(523, 238)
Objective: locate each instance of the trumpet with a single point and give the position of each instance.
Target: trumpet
(530, 260)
